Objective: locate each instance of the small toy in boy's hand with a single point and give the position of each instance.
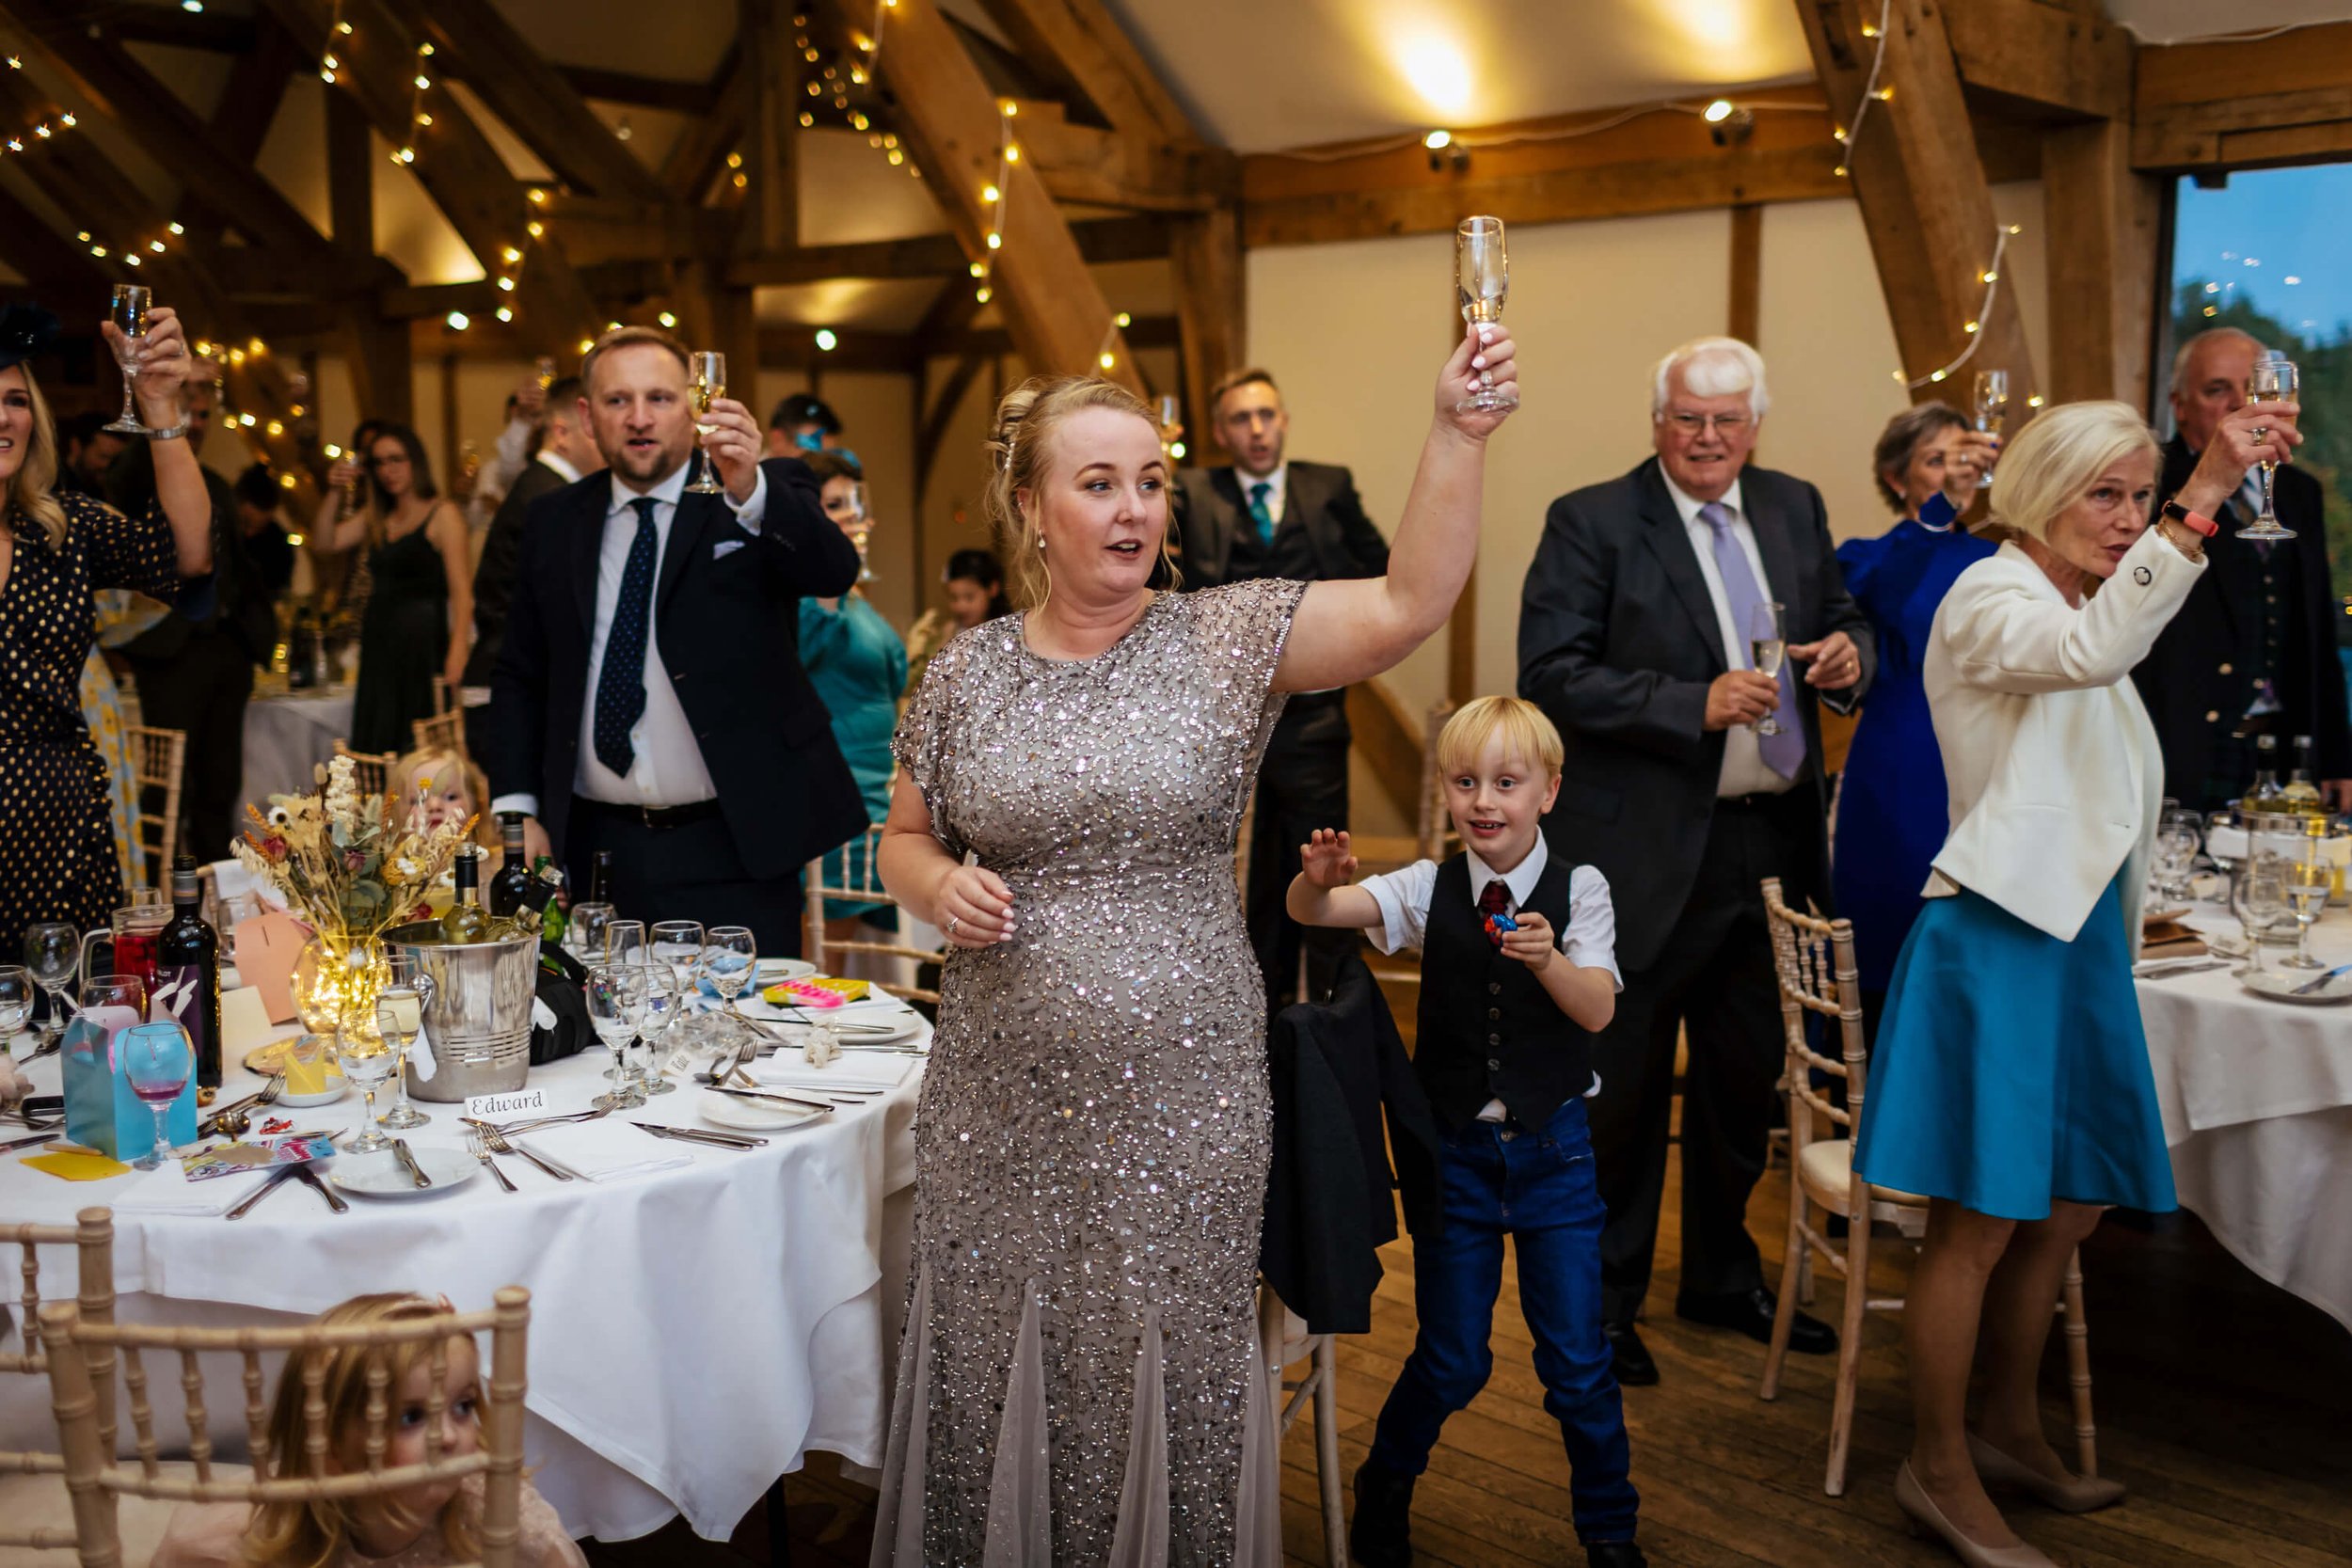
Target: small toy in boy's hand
(1496, 926)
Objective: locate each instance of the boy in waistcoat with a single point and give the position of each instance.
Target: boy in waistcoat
(1517, 974)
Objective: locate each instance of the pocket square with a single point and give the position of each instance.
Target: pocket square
(725, 548)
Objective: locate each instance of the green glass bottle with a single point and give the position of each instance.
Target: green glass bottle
(552, 920)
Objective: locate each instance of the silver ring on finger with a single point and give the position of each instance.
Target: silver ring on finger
(953, 921)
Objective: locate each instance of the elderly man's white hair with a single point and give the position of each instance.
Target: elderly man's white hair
(2188, 350)
(1712, 368)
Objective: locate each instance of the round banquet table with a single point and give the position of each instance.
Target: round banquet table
(695, 1331)
(287, 735)
(2257, 1103)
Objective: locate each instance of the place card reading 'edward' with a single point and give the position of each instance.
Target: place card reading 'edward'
(515, 1102)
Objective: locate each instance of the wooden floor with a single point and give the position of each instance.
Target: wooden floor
(2224, 1403)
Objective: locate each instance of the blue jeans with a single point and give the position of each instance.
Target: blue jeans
(1536, 1186)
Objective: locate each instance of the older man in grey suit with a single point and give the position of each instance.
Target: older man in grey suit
(1634, 636)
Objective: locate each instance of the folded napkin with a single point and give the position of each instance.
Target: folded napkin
(2170, 939)
(168, 1192)
(608, 1149)
(866, 1071)
(2148, 969)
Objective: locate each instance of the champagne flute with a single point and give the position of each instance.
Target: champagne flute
(53, 951)
(545, 369)
(1482, 281)
(129, 315)
(862, 531)
(707, 373)
(399, 1017)
(2275, 380)
(157, 1060)
(1768, 645)
(1991, 405)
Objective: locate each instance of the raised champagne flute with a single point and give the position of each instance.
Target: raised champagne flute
(399, 1018)
(544, 368)
(1482, 281)
(129, 315)
(2275, 380)
(1992, 409)
(1768, 646)
(708, 378)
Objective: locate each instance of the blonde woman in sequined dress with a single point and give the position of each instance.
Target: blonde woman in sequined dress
(1078, 1381)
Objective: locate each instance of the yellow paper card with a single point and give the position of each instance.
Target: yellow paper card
(76, 1167)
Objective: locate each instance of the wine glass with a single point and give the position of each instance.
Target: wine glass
(2224, 824)
(53, 951)
(862, 529)
(2259, 899)
(625, 942)
(1992, 406)
(677, 946)
(2310, 883)
(156, 1059)
(17, 995)
(584, 936)
(730, 961)
(368, 1062)
(664, 1000)
(399, 1016)
(2179, 835)
(1482, 281)
(616, 1007)
(1768, 645)
(2275, 380)
(707, 373)
(129, 315)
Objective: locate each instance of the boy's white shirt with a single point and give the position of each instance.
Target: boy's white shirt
(1588, 940)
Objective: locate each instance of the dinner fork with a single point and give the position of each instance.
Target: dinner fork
(499, 1145)
(480, 1148)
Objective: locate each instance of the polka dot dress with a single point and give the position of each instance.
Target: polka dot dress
(57, 859)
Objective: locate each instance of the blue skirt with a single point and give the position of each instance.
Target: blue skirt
(2010, 1068)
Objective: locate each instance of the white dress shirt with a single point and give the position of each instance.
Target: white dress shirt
(667, 767)
(562, 467)
(1589, 941)
(1279, 483)
(1745, 772)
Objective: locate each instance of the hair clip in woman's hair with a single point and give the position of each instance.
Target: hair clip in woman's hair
(25, 330)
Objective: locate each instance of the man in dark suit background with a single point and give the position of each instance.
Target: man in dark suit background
(1266, 516)
(649, 693)
(567, 450)
(2252, 650)
(1634, 637)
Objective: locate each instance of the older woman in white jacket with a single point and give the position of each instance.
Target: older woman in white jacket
(2011, 1080)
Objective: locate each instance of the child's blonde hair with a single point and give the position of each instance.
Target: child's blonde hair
(440, 764)
(315, 1533)
(1516, 722)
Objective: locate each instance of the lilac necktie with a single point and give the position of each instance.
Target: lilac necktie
(1783, 753)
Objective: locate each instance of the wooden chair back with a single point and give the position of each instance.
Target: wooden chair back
(859, 882)
(1438, 837)
(92, 1234)
(1815, 961)
(95, 1479)
(371, 771)
(159, 760)
(443, 732)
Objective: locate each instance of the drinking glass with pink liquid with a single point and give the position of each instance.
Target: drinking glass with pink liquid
(156, 1059)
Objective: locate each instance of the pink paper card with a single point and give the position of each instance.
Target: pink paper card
(267, 946)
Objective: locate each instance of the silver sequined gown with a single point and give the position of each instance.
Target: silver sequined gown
(1094, 1129)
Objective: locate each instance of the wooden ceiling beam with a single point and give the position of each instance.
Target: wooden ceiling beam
(1211, 309)
(1093, 56)
(700, 152)
(1129, 239)
(2239, 104)
(1926, 201)
(647, 92)
(258, 79)
(41, 253)
(531, 97)
(939, 416)
(2045, 54)
(154, 120)
(455, 164)
(2104, 300)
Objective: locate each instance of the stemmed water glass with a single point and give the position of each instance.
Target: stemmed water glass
(157, 1060)
(2259, 899)
(625, 942)
(2178, 836)
(1992, 409)
(399, 1017)
(129, 315)
(17, 995)
(2310, 883)
(584, 935)
(708, 372)
(1482, 281)
(677, 946)
(2275, 380)
(730, 961)
(53, 951)
(1768, 645)
(616, 1008)
(664, 1000)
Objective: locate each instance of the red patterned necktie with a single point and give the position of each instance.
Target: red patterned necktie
(1495, 900)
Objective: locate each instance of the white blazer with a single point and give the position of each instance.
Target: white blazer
(2054, 774)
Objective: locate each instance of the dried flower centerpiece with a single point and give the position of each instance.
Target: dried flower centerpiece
(350, 865)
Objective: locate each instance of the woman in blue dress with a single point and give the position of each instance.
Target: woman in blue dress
(859, 668)
(2010, 1082)
(1890, 803)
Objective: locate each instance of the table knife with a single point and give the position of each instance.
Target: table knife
(27, 1143)
(780, 1098)
(262, 1192)
(695, 1135)
(2320, 983)
(310, 1178)
(400, 1146)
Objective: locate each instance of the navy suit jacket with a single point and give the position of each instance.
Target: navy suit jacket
(727, 622)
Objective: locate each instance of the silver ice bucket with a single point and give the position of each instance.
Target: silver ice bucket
(478, 1020)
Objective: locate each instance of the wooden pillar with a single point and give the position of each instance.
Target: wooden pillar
(2103, 221)
(377, 350)
(1212, 310)
(1747, 271)
(772, 217)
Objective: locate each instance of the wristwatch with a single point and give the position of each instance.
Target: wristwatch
(174, 433)
(2186, 518)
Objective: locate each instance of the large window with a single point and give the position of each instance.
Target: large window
(2266, 252)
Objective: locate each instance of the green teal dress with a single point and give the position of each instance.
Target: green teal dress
(859, 668)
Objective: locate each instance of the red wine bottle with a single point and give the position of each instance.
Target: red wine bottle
(187, 974)
(510, 889)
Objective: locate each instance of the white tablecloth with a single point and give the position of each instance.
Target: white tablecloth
(694, 1332)
(2257, 1103)
(286, 736)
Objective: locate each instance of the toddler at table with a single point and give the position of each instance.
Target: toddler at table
(429, 1526)
(1519, 972)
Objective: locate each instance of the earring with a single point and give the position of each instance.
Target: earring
(1048, 570)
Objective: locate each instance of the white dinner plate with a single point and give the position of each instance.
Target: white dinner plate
(775, 971)
(2280, 985)
(752, 1116)
(382, 1175)
(902, 1025)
